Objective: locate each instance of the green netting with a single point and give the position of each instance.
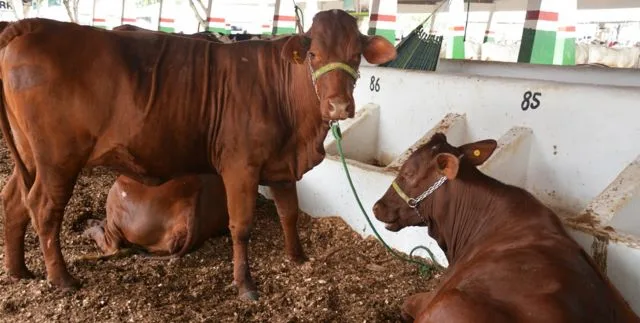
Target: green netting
(420, 50)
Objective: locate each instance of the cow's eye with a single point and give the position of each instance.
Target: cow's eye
(312, 55)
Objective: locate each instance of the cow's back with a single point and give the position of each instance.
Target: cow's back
(541, 272)
(135, 94)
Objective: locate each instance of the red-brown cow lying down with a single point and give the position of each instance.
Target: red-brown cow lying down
(155, 106)
(173, 218)
(510, 258)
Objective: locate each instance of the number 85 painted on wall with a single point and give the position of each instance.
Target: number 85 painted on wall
(530, 100)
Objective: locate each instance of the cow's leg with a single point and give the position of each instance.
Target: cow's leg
(241, 185)
(98, 231)
(47, 200)
(286, 200)
(16, 219)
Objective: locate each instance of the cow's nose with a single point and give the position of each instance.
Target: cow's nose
(338, 109)
(377, 209)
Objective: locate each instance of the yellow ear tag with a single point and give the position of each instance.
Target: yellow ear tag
(296, 57)
(476, 152)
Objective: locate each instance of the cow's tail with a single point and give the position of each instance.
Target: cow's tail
(11, 32)
(191, 228)
(22, 27)
(11, 144)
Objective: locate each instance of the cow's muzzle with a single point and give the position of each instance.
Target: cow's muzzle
(338, 108)
(389, 218)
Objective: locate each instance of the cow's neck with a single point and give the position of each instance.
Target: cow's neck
(301, 111)
(471, 213)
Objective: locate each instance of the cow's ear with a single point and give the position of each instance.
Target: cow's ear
(478, 152)
(447, 165)
(295, 49)
(377, 49)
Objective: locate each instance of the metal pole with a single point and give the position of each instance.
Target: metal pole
(159, 14)
(122, 14)
(93, 13)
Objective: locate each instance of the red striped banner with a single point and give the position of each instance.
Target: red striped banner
(212, 19)
(99, 20)
(378, 17)
(542, 15)
(284, 18)
(457, 28)
(128, 19)
(167, 20)
(567, 29)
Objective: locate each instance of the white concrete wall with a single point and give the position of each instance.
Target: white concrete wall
(622, 263)
(618, 205)
(411, 102)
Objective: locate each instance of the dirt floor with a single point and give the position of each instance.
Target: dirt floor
(348, 279)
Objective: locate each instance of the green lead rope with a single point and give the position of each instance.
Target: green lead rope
(423, 267)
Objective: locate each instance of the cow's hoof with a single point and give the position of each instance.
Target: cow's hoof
(298, 257)
(18, 274)
(88, 233)
(94, 223)
(93, 232)
(249, 296)
(67, 284)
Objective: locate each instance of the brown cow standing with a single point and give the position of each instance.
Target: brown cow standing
(207, 35)
(199, 35)
(173, 218)
(155, 106)
(510, 258)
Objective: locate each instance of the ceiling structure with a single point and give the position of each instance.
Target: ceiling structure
(432, 2)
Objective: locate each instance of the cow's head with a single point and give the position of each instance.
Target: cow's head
(423, 187)
(332, 49)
